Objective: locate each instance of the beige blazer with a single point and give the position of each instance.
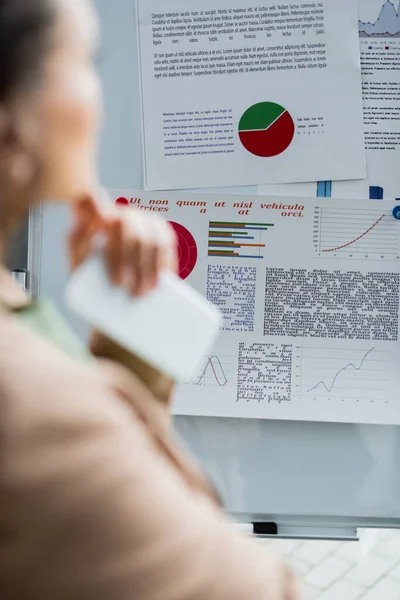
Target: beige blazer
(95, 502)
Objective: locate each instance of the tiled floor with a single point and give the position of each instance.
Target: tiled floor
(367, 570)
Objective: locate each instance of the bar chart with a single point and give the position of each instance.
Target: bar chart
(237, 240)
(324, 189)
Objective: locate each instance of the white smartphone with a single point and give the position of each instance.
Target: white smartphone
(172, 328)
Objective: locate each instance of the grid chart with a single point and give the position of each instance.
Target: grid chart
(359, 374)
(350, 233)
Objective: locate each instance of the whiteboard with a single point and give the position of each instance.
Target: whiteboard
(297, 474)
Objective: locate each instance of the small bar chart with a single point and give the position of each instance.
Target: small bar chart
(237, 240)
(375, 192)
(324, 189)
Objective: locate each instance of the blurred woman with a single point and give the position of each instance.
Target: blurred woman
(96, 503)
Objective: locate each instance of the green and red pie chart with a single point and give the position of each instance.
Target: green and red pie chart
(266, 129)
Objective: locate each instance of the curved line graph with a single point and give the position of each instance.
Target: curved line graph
(210, 362)
(357, 238)
(388, 19)
(349, 366)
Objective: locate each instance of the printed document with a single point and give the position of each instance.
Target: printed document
(309, 293)
(240, 92)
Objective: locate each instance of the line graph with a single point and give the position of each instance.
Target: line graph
(351, 233)
(342, 373)
(356, 239)
(215, 371)
(387, 23)
(351, 365)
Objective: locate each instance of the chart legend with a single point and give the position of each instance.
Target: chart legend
(266, 129)
(237, 240)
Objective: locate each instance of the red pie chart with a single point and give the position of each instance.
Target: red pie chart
(122, 201)
(187, 249)
(266, 129)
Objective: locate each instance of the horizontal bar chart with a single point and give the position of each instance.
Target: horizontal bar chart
(237, 240)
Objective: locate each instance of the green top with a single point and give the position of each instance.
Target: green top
(43, 318)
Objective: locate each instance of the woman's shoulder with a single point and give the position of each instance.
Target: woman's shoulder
(42, 370)
(47, 395)
(42, 379)
(52, 404)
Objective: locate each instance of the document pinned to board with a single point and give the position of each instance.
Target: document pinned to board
(238, 93)
(379, 38)
(309, 293)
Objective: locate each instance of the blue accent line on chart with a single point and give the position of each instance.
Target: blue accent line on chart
(257, 228)
(233, 237)
(349, 366)
(241, 256)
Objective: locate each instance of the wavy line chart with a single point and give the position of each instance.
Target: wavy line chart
(351, 233)
(215, 371)
(385, 23)
(329, 387)
(343, 373)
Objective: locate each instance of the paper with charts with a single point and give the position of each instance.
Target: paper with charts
(379, 31)
(309, 293)
(244, 93)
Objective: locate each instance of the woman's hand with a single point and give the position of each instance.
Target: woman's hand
(137, 245)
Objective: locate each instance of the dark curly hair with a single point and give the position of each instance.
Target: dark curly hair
(25, 37)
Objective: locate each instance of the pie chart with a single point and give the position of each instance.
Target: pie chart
(187, 250)
(266, 129)
(122, 201)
